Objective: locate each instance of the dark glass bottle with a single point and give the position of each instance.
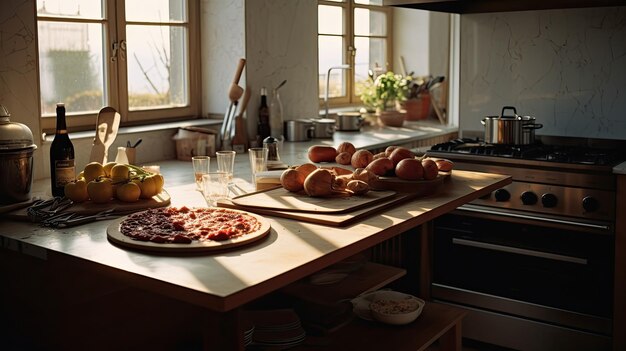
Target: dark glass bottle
(263, 127)
(62, 168)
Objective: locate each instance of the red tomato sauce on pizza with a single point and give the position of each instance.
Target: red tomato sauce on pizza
(184, 225)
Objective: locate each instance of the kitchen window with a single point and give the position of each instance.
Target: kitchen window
(137, 56)
(354, 34)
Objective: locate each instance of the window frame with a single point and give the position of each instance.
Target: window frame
(349, 51)
(115, 77)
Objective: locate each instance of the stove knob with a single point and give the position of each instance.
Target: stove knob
(529, 198)
(502, 195)
(590, 204)
(549, 200)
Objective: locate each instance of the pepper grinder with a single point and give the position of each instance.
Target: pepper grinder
(271, 144)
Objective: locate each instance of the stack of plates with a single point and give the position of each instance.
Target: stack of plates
(248, 331)
(276, 328)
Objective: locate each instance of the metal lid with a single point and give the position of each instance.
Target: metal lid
(14, 135)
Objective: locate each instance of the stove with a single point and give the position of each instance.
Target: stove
(532, 261)
(565, 177)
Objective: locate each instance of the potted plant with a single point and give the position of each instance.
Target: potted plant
(384, 94)
(417, 104)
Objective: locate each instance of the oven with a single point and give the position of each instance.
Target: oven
(533, 261)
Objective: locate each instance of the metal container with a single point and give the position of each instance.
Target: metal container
(348, 122)
(323, 128)
(510, 130)
(16, 160)
(299, 130)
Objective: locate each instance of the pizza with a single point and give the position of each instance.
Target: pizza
(183, 225)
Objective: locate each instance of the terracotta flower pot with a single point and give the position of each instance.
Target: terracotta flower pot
(418, 108)
(391, 118)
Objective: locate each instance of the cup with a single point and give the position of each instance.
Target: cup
(258, 161)
(200, 167)
(214, 187)
(130, 155)
(226, 163)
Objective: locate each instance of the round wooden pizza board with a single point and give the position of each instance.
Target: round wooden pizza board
(114, 234)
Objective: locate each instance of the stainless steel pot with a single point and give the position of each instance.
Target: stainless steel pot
(348, 121)
(511, 130)
(299, 130)
(16, 160)
(324, 128)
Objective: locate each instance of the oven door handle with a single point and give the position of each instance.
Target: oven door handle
(535, 218)
(517, 250)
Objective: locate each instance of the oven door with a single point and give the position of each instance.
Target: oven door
(554, 273)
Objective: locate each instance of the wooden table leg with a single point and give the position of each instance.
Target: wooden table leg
(452, 340)
(222, 331)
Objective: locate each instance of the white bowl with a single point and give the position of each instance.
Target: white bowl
(362, 303)
(396, 308)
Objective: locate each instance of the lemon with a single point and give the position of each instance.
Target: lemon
(120, 171)
(77, 191)
(128, 192)
(100, 190)
(93, 170)
(107, 168)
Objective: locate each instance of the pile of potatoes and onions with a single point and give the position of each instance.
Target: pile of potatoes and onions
(395, 161)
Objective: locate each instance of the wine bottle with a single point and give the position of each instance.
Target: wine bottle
(276, 116)
(62, 168)
(263, 127)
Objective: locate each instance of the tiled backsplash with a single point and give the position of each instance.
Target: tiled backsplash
(567, 68)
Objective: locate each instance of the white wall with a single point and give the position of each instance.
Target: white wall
(282, 44)
(567, 68)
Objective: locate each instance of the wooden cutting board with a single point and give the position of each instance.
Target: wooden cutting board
(279, 199)
(119, 207)
(331, 219)
(417, 187)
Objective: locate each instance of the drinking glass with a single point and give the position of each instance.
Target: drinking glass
(258, 161)
(226, 163)
(214, 187)
(200, 167)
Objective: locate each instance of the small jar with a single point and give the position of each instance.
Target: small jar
(271, 144)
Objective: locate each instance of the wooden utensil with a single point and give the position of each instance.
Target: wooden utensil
(234, 94)
(240, 137)
(107, 124)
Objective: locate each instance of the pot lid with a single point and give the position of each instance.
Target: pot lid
(14, 135)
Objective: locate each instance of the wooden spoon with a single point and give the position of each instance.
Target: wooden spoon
(107, 124)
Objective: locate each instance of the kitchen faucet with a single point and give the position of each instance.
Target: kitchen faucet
(344, 66)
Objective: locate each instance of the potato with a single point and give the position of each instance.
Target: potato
(341, 182)
(409, 169)
(390, 149)
(322, 153)
(430, 169)
(358, 187)
(399, 154)
(379, 155)
(346, 147)
(364, 175)
(361, 158)
(343, 158)
(319, 183)
(292, 180)
(380, 167)
(306, 168)
(444, 165)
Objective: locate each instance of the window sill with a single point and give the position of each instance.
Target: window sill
(146, 128)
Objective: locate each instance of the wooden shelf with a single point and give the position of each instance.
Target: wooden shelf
(437, 322)
(370, 277)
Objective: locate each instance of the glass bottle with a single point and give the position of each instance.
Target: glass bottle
(62, 166)
(276, 116)
(263, 126)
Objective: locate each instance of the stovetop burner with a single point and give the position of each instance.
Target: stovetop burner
(538, 151)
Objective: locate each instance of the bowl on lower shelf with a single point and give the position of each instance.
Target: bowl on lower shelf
(370, 305)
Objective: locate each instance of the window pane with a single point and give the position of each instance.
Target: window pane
(331, 55)
(367, 22)
(71, 66)
(369, 2)
(330, 20)
(157, 66)
(70, 8)
(156, 10)
(370, 54)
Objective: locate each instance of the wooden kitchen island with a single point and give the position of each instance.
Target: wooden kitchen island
(45, 266)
